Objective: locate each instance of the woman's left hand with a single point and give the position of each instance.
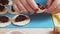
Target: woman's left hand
(53, 6)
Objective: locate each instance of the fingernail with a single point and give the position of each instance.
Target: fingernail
(46, 11)
(46, 6)
(36, 11)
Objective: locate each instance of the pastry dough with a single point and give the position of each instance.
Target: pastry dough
(4, 11)
(11, 10)
(5, 24)
(21, 23)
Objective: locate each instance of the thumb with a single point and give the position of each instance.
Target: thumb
(51, 9)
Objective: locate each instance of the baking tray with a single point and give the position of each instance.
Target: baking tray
(37, 21)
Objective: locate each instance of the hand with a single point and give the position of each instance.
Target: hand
(25, 5)
(53, 6)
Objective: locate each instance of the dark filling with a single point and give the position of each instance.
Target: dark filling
(4, 2)
(4, 19)
(20, 18)
(1, 8)
(12, 9)
(40, 6)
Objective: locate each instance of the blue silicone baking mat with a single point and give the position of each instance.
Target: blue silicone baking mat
(37, 21)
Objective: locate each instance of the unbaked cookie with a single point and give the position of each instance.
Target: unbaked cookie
(4, 21)
(20, 20)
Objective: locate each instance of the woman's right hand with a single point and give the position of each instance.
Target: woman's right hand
(25, 5)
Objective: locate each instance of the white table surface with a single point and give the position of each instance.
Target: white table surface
(28, 30)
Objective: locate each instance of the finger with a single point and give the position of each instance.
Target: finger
(15, 3)
(15, 8)
(20, 6)
(52, 7)
(49, 2)
(33, 4)
(25, 4)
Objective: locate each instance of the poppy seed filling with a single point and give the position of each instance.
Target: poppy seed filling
(20, 18)
(12, 9)
(1, 8)
(4, 2)
(40, 6)
(4, 19)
